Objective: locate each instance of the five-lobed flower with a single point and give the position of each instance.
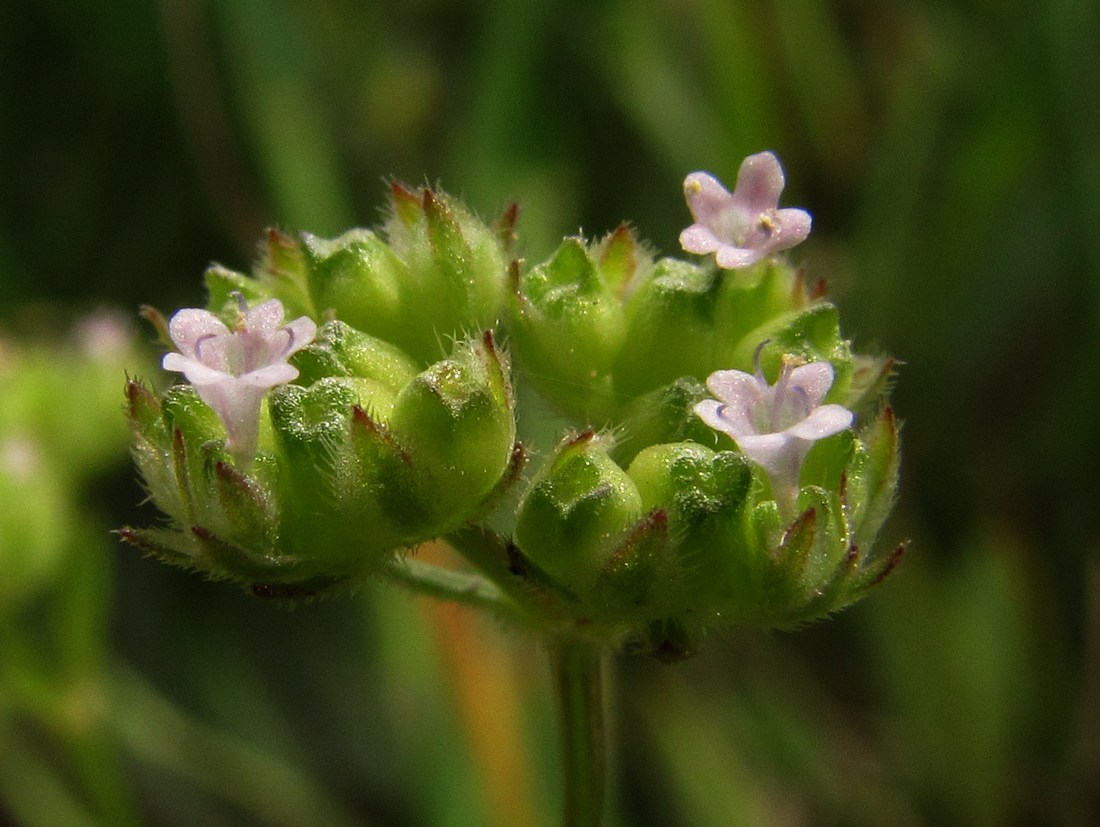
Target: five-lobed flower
(745, 226)
(231, 370)
(775, 425)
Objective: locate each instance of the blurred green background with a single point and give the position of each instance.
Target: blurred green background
(950, 154)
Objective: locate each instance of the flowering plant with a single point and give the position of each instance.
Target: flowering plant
(678, 494)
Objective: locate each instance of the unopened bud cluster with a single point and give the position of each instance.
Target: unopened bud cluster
(729, 460)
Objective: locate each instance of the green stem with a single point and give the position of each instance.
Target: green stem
(576, 667)
(447, 584)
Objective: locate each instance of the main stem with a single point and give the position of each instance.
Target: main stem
(576, 667)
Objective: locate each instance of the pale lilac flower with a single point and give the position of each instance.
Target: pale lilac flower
(233, 369)
(775, 425)
(744, 226)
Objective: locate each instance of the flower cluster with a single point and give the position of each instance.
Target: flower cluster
(678, 488)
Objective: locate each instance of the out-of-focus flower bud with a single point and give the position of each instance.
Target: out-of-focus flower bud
(35, 521)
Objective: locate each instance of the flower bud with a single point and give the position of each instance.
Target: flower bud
(705, 495)
(662, 416)
(439, 273)
(738, 560)
(35, 522)
(568, 321)
(576, 514)
(598, 327)
(280, 273)
(362, 280)
(380, 369)
(457, 422)
(673, 328)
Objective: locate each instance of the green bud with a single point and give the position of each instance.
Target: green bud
(360, 278)
(312, 428)
(578, 512)
(568, 321)
(457, 422)
(737, 561)
(280, 273)
(380, 369)
(750, 304)
(808, 335)
(705, 495)
(439, 273)
(35, 522)
(690, 320)
(283, 269)
(662, 416)
(871, 479)
(672, 329)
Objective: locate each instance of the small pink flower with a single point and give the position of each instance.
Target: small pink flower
(746, 226)
(775, 425)
(233, 369)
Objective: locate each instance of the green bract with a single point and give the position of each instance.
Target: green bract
(708, 450)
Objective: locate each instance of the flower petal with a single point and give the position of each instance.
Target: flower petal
(793, 227)
(266, 317)
(191, 324)
(760, 182)
(822, 422)
(709, 411)
(814, 380)
(270, 375)
(196, 372)
(771, 451)
(302, 331)
(700, 240)
(734, 258)
(732, 386)
(706, 197)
